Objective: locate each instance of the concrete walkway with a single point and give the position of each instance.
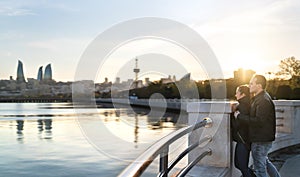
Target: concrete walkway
(291, 167)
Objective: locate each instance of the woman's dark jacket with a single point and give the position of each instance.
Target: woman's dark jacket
(262, 118)
(240, 127)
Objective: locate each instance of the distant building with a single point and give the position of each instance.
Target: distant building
(105, 81)
(83, 87)
(48, 72)
(147, 81)
(40, 74)
(186, 77)
(174, 78)
(139, 83)
(166, 80)
(20, 73)
(243, 76)
(118, 80)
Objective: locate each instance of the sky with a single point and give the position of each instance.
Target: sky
(242, 34)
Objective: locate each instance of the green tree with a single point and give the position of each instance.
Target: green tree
(289, 67)
(283, 92)
(296, 94)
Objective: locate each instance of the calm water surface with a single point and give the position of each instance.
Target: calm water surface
(47, 139)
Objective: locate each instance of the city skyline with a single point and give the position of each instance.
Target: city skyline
(47, 75)
(251, 35)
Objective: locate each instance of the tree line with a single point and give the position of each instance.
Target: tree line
(285, 85)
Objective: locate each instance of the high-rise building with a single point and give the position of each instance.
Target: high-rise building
(118, 80)
(243, 76)
(40, 74)
(147, 81)
(48, 72)
(20, 73)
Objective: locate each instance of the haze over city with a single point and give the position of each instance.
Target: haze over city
(251, 35)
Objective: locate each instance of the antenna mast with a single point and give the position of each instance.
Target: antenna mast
(136, 70)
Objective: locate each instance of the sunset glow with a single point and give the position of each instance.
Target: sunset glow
(252, 35)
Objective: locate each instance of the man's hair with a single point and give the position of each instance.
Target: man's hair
(244, 89)
(260, 79)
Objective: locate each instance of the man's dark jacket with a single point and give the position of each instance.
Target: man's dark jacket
(262, 119)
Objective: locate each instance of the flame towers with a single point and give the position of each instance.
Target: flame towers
(46, 76)
(48, 72)
(40, 74)
(20, 73)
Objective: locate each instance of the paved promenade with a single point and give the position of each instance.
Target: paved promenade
(291, 167)
(287, 161)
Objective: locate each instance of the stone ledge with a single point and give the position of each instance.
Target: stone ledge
(207, 171)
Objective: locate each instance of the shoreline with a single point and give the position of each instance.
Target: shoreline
(35, 100)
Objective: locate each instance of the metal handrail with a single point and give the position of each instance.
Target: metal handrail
(185, 170)
(182, 155)
(161, 147)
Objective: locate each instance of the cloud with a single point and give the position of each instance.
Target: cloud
(30, 7)
(49, 45)
(261, 33)
(11, 35)
(60, 44)
(10, 11)
(273, 17)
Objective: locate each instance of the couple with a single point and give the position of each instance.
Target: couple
(254, 125)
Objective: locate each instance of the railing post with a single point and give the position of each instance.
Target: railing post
(220, 145)
(163, 161)
(288, 123)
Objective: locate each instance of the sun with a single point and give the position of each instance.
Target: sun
(255, 61)
(246, 59)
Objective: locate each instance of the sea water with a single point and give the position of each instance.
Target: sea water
(57, 139)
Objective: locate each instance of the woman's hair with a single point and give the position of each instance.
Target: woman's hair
(244, 89)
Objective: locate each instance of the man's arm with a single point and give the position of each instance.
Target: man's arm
(242, 117)
(262, 109)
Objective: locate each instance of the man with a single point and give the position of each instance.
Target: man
(262, 126)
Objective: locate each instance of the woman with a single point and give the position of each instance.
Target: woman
(240, 131)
